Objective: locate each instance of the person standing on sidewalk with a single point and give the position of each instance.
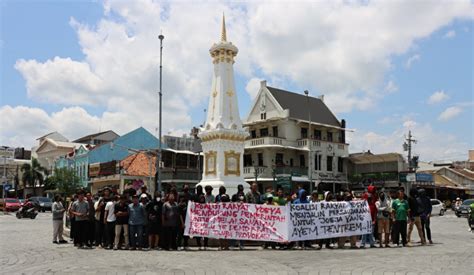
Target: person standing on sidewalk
(121, 223)
(383, 217)
(426, 214)
(109, 222)
(416, 209)
(58, 220)
(170, 221)
(80, 210)
(136, 220)
(400, 210)
(91, 223)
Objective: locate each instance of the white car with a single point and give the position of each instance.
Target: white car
(438, 207)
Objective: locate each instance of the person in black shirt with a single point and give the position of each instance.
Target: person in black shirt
(240, 195)
(183, 241)
(121, 222)
(198, 194)
(154, 209)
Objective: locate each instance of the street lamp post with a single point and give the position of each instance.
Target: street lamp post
(158, 161)
(310, 141)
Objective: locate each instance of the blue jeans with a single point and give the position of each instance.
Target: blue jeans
(136, 235)
(367, 238)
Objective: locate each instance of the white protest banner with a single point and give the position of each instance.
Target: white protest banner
(328, 220)
(240, 221)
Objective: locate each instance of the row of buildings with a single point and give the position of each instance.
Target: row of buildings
(294, 140)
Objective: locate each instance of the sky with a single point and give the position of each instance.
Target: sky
(386, 67)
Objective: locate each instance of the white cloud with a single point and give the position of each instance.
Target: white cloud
(339, 49)
(252, 87)
(438, 97)
(431, 144)
(450, 113)
(391, 87)
(411, 60)
(450, 34)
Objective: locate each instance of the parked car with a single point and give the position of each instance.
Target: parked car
(10, 204)
(463, 210)
(42, 203)
(439, 208)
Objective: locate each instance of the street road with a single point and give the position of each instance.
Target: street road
(26, 248)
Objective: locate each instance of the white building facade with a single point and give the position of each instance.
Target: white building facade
(294, 140)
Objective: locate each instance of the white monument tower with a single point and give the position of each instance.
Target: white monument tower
(223, 136)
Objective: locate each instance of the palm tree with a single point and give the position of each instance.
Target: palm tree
(33, 174)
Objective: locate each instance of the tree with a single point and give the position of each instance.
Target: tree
(65, 180)
(33, 174)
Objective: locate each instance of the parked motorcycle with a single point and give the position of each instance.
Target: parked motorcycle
(27, 213)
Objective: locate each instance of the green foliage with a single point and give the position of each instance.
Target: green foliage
(33, 174)
(65, 181)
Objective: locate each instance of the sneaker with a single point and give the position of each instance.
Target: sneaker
(55, 242)
(62, 241)
(133, 248)
(241, 247)
(115, 248)
(201, 248)
(431, 242)
(187, 248)
(372, 246)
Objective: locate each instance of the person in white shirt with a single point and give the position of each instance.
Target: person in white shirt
(109, 221)
(383, 217)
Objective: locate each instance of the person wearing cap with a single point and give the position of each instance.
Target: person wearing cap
(137, 216)
(144, 202)
(143, 191)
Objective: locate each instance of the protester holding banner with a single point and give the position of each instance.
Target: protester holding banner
(269, 201)
(209, 197)
(253, 196)
(183, 240)
(238, 197)
(154, 209)
(280, 197)
(202, 242)
(341, 242)
(328, 197)
(369, 238)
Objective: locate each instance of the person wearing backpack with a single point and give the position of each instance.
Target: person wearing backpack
(414, 218)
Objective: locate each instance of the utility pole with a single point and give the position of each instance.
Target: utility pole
(158, 161)
(310, 143)
(407, 146)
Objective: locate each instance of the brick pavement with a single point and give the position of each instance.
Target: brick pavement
(27, 249)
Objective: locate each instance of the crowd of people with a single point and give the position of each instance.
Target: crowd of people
(135, 220)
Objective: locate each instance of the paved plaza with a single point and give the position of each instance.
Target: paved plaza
(26, 248)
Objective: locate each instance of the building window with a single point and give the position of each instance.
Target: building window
(341, 137)
(317, 162)
(317, 134)
(302, 161)
(330, 136)
(193, 161)
(263, 116)
(279, 159)
(247, 160)
(329, 163)
(181, 160)
(275, 131)
(264, 132)
(291, 162)
(304, 132)
(260, 159)
(340, 167)
(167, 159)
(253, 134)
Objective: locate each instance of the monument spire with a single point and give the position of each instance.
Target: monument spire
(223, 136)
(223, 33)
